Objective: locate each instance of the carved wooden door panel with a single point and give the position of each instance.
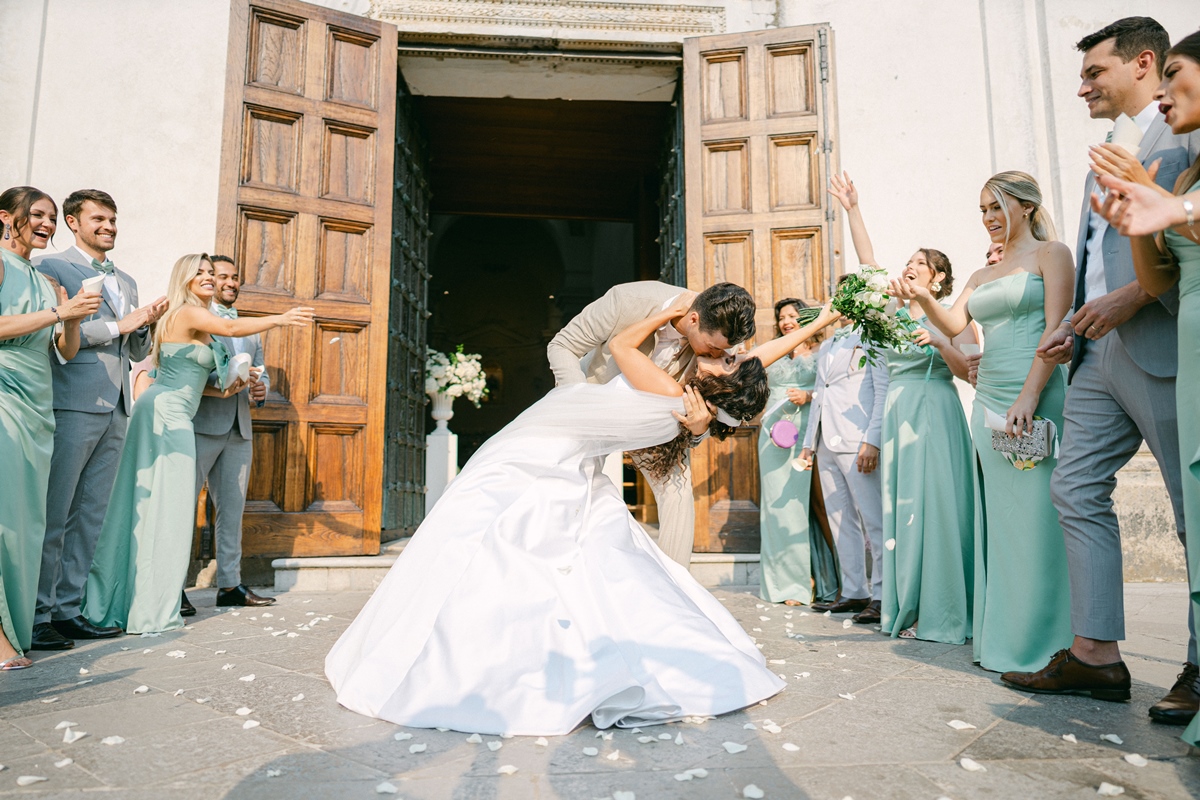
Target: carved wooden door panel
(759, 140)
(305, 209)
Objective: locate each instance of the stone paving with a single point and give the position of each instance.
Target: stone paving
(236, 706)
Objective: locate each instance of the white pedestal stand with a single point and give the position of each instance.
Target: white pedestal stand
(441, 451)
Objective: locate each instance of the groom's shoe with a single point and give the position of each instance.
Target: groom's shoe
(1066, 674)
(241, 595)
(80, 628)
(843, 606)
(1182, 702)
(870, 615)
(46, 638)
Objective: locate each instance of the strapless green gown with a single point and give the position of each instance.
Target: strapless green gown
(26, 442)
(794, 552)
(1187, 389)
(928, 501)
(1022, 613)
(142, 555)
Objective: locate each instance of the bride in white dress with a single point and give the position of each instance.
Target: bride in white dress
(529, 598)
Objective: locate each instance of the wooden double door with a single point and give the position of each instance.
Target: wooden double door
(324, 202)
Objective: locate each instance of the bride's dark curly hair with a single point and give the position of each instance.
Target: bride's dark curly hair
(742, 393)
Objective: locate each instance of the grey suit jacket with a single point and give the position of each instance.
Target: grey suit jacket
(592, 328)
(1149, 336)
(847, 405)
(216, 416)
(98, 376)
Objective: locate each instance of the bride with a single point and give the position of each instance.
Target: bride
(529, 598)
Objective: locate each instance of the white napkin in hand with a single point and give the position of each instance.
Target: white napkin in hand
(994, 421)
(238, 369)
(1127, 134)
(92, 284)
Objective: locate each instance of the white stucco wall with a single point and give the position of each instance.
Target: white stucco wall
(936, 95)
(126, 97)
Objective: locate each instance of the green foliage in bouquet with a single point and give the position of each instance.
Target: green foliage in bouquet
(862, 298)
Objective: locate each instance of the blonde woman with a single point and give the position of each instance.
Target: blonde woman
(141, 559)
(1022, 595)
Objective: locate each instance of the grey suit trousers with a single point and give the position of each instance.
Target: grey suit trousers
(1112, 405)
(87, 450)
(225, 462)
(854, 506)
(676, 511)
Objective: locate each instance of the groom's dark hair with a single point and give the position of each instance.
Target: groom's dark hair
(728, 309)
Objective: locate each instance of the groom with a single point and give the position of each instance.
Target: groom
(719, 318)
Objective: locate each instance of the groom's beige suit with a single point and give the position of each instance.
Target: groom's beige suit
(579, 352)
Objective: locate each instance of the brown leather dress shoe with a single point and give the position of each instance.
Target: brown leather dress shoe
(1066, 674)
(842, 605)
(1182, 702)
(869, 615)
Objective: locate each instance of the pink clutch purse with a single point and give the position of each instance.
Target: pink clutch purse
(785, 434)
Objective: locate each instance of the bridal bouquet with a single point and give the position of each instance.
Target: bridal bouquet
(862, 298)
(456, 375)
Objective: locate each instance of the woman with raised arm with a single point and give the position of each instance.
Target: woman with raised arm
(1022, 595)
(928, 492)
(798, 564)
(142, 554)
(1136, 204)
(529, 599)
(31, 310)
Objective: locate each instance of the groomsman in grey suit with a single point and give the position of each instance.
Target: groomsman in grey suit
(845, 422)
(92, 404)
(720, 317)
(225, 447)
(1121, 344)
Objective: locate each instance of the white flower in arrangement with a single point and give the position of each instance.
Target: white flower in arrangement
(455, 375)
(877, 282)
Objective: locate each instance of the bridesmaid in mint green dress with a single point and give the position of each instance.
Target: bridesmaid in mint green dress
(30, 308)
(797, 565)
(142, 555)
(1022, 609)
(926, 462)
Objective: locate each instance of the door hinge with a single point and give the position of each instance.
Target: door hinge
(823, 53)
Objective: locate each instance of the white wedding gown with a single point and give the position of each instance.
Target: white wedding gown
(529, 598)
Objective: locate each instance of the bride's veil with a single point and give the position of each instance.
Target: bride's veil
(601, 419)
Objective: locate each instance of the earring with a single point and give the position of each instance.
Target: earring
(935, 287)
(7, 231)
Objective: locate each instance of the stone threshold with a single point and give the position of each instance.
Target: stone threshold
(364, 573)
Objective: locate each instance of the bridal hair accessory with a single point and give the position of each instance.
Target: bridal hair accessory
(725, 418)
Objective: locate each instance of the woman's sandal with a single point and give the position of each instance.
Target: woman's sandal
(7, 664)
(792, 603)
(909, 633)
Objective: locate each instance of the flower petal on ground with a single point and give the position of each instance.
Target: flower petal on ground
(971, 765)
(1136, 760)
(591, 751)
(386, 788)
(1070, 737)
(112, 740)
(494, 746)
(1112, 737)
(66, 762)
(507, 769)
(250, 723)
(247, 678)
(65, 724)
(298, 698)
(418, 748)
(474, 738)
(613, 756)
(243, 712)
(791, 748)
(753, 792)
(959, 725)
(400, 737)
(734, 747)
(29, 780)
(1108, 790)
(141, 689)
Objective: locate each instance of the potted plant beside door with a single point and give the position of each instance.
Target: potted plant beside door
(458, 374)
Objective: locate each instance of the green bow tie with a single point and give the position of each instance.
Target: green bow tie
(104, 266)
(224, 311)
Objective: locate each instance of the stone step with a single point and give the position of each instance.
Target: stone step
(364, 573)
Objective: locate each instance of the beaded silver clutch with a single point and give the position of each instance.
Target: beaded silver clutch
(1037, 443)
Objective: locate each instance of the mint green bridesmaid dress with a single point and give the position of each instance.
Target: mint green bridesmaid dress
(26, 442)
(928, 501)
(794, 552)
(1187, 389)
(1022, 612)
(142, 555)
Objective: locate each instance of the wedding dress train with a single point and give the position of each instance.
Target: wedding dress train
(529, 598)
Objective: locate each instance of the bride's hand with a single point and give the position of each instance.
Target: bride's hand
(697, 416)
(682, 304)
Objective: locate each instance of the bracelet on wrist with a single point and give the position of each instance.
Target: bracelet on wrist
(57, 316)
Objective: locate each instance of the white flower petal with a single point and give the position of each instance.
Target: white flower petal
(846, 696)
(542, 741)
(81, 683)
(970, 765)
(1112, 737)
(507, 769)
(386, 788)
(683, 776)
(804, 675)
(418, 748)
(698, 772)
(646, 739)
(247, 678)
(1136, 760)
(753, 792)
(890, 544)
(1070, 737)
(228, 666)
(494, 746)
(772, 728)
(591, 751)
(66, 762)
(250, 723)
(613, 756)
(749, 726)
(841, 655)
(1109, 790)
(50, 700)
(847, 623)
(679, 738)
(65, 724)
(141, 689)
(401, 737)
(776, 661)
(959, 725)
(203, 700)
(765, 619)
(243, 712)
(177, 654)
(666, 737)
(112, 740)
(474, 738)
(70, 736)
(734, 747)
(791, 748)
(274, 773)
(29, 780)
(83, 671)
(298, 698)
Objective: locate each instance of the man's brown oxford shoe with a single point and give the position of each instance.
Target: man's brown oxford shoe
(870, 615)
(1066, 674)
(1182, 702)
(843, 606)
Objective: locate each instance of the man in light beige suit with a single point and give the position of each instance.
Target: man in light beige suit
(719, 318)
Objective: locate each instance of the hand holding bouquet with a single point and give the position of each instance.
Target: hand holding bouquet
(863, 298)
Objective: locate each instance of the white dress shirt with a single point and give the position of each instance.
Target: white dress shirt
(113, 287)
(1093, 276)
(668, 341)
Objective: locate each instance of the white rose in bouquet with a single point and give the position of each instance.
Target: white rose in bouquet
(877, 282)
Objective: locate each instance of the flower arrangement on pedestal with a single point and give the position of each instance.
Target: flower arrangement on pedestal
(458, 374)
